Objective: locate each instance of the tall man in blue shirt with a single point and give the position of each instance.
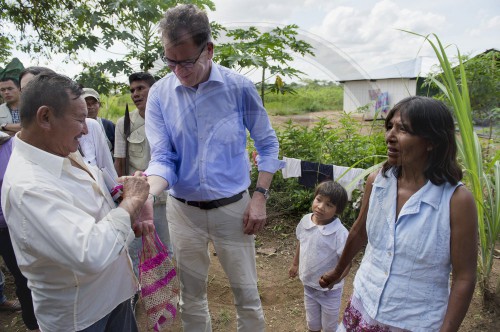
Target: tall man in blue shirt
(196, 123)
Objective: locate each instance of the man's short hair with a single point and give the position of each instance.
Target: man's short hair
(14, 80)
(185, 21)
(142, 76)
(47, 89)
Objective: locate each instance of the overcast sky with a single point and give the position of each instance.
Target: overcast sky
(365, 33)
(362, 35)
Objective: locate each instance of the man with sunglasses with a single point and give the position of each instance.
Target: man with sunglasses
(197, 119)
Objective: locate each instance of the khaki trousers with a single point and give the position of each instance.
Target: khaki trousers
(191, 229)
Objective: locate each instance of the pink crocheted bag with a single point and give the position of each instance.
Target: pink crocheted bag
(159, 283)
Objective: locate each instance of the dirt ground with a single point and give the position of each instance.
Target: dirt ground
(282, 297)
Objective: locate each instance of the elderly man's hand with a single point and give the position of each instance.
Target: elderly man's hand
(135, 194)
(135, 187)
(144, 224)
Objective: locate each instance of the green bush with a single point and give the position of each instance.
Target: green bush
(327, 143)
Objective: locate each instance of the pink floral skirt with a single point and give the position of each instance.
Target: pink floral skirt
(356, 319)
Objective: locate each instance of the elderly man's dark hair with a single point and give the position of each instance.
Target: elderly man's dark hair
(34, 70)
(142, 76)
(185, 21)
(47, 89)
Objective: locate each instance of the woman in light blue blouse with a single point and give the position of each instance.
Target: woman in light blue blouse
(419, 223)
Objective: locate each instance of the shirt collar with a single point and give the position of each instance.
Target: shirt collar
(215, 76)
(49, 161)
(324, 229)
(430, 194)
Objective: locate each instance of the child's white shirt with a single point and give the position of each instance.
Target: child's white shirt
(320, 249)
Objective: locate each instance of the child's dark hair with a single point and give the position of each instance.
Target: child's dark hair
(335, 192)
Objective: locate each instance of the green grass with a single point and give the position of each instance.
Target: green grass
(309, 98)
(113, 107)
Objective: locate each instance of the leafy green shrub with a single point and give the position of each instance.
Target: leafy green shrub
(327, 143)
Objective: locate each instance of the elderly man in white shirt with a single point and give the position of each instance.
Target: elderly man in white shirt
(69, 237)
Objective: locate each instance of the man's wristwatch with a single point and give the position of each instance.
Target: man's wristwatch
(2, 126)
(263, 191)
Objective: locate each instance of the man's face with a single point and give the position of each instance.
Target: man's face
(187, 51)
(93, 107)
(139, 92)
(10, 92)
(67, 129)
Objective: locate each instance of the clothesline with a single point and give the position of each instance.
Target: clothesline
(312, 173)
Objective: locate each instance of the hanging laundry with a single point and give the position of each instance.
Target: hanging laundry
(292, 168)
(382, 104)
(345, 176)
(314, 173)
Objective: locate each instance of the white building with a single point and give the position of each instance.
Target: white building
(376, 92)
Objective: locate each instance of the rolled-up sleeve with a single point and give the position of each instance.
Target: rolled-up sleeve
(261, 131)
(163, 157)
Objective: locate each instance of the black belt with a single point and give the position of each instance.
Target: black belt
(208, 205)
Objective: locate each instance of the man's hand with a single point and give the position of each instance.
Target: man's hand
(255, 216)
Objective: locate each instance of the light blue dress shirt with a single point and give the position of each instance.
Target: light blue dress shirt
(403, 280)
(198, 136)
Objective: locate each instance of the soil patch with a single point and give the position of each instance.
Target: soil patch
(282, 297)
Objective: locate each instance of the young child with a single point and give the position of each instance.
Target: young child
(321, 238)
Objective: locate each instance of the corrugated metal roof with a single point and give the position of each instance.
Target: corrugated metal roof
(418, 67)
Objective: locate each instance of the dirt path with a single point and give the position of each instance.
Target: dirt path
(281, 296)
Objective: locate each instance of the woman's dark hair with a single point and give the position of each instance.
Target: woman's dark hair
(335, 193)
(432, 120)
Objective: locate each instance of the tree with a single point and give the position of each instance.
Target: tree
(67, 26)
(268, 50)
(483, 81)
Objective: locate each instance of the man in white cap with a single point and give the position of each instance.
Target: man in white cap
(93, 104)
